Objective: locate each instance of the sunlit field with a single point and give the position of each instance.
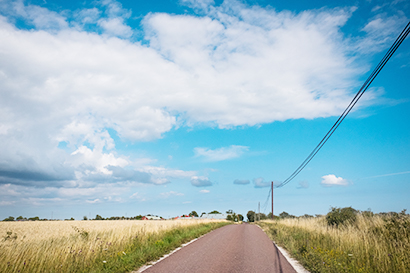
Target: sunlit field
(369, 244)
(81, 246)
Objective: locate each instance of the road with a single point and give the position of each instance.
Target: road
(233, 248)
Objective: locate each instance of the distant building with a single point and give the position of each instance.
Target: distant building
(151, 217)
(219, 216)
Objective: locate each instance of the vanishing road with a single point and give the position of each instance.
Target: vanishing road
(233, 248)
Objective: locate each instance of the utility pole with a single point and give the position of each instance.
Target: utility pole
(259, 211)
(272, 198)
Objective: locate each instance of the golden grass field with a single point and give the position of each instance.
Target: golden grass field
(41, 246)
(370, 244)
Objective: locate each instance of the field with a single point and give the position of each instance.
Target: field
(92, 246)
(369, 244)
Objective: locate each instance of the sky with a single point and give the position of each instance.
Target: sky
(121, 108)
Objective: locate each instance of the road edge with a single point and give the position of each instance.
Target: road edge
(294, 263)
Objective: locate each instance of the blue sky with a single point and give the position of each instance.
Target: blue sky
(164, 107)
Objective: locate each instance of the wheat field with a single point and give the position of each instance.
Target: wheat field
(63, 246)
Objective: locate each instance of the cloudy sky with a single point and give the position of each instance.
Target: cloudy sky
(134, 107)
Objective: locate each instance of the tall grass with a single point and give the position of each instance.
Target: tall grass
(369, 244)
(86, 246)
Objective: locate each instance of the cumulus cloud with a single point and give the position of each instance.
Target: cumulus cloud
(332, 180)
(75, 76)
(200, 181)
(261, 183)
(220, 154)
(241, 181)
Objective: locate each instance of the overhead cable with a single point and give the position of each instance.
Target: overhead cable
(356, 98)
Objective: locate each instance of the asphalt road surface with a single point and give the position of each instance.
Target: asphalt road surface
(233, 248)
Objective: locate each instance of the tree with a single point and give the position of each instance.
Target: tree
(215, 212)
(262, 216)
(193, 214)
(20, 218)
(98, 217)
(10, 218)
(229, 211)
(34, 218)
(285, 215)
(203, 213)
(338, 216)
(251, 216)
(274, 216)
(240, 217)
(85, 218)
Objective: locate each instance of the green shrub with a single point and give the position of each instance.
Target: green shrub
(339, 216)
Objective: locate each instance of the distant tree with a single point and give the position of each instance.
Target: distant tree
(215, 212)
(34, 218)
(240, 217)
(72, 219)
(98, 217)
(251, 216)
(20, 218)
(285, 215)
(10, 218)
(139, 217)
(229, 211)
(193, 214)
(262, 216)
(203, 213)
(85, 218)
(274, 216)
(229, 217)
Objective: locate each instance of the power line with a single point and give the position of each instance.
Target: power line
(265, 205)
(356, 98)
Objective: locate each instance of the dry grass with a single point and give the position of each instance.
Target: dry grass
(66, 245)
(370, 244)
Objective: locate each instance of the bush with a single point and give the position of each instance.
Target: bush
(339, 216)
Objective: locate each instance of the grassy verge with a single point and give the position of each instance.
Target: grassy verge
(151, 248)
(370, 244)
(92, 246)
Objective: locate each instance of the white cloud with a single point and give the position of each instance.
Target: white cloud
(261, 183)
(170, 193)
(241, 181)
(198, 4)
(115, 27)
(200, 181)
(69, 80)
(93, 201)
(220, 154)
(41, 18)
(332, 180)
(204, 191)
(7, 203)
(379, 32)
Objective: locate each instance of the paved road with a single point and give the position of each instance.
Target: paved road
(233, 248)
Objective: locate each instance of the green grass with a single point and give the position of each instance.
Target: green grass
(151, 248)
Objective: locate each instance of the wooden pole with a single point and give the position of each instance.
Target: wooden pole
(272, 198)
